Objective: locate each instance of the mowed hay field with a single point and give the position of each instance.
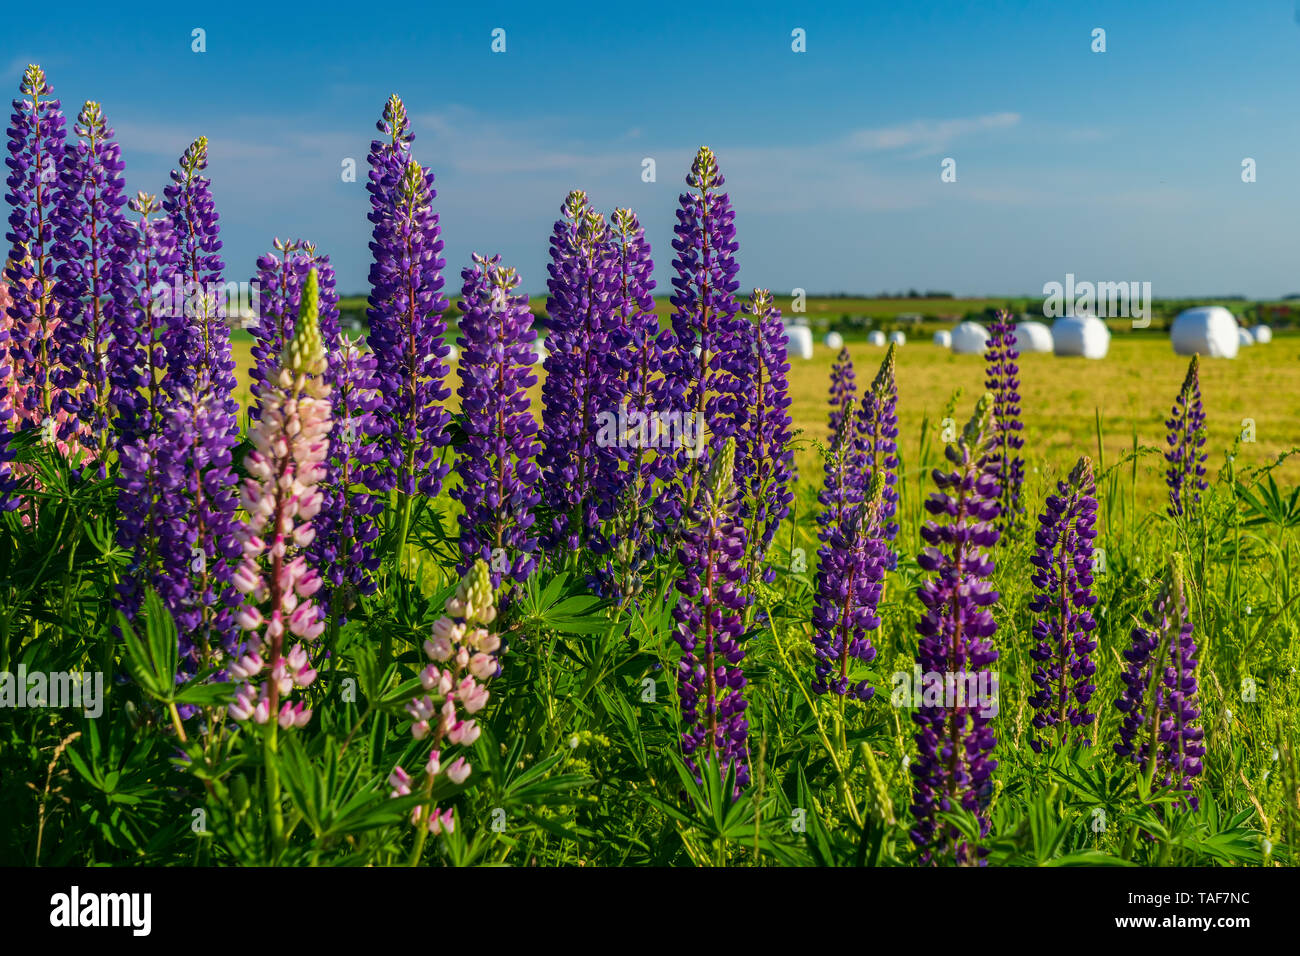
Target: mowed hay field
(1062, 400)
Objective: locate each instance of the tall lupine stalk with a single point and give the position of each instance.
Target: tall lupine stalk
(875, 447)
(710, 622)
(36, 156)
(279, 279)
(148, 479)
(199, 488)
(200, 428)
(89, 220)
(711, 372)
(278, 283)
(764, 438)
(348, 523)
(146, 259)
(468, 653)
(498, 477)
(1002, 378)
(199, 355)
(1064, 625)
(406, 319)
(841, 491)
(1159, 729)
(849, 584)
(8, 397)
(631, 541)
(844, 395)
(954, 739)
(281, 496)
(1186, 474)
(583, 378)
(858, 500)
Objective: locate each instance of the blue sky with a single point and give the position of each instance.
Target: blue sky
(1123, 165)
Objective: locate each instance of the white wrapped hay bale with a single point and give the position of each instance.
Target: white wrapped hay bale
(1033, 337)
(1084, 336)
(943, 339)
(540, 351)
(798, 341)
(898, 338)
(1210, 331)
(969, 338)
(1263, 334)
(876, 338)
(1244, 337)
(834, 341)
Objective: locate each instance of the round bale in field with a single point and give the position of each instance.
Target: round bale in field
(540, 351)
(1085, 336)
(969, 338)
(1033, 337)
(834, 341)
(898, 338)
(1263, 334)
(453, 356)
(876, 338)
(1209, 330)
(1244, 337)
(943, 339)
(798, 341)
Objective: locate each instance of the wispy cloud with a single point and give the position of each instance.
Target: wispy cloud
(927, 137)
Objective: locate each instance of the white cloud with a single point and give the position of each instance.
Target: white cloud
(927, 136)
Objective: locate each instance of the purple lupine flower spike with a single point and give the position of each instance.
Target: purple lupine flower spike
(348, 523)
(498, 476)
(875, 446)
(955, 740)
(764, 439)
(1003, 380)
(278, 283)
(709, 616)
(583, 376)
(406, 308)
(1064, 625)
(630, 542)
(8, 385)
(844, 394)
(200, 427)
(849, 585)
(146, 259)
(146, 262)
(88, 219)
(198, 353)
(199, 488)
(1186, 474)
(1160, 728)
(710, 370)
(36, 156)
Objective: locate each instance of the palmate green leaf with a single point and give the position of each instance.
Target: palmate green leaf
(622, 710)
(1088, 858)
(534, 787)
(563, 605)
(817, 837)
(205, 695)
(152, 661)
(1268, 505)
(332, 800)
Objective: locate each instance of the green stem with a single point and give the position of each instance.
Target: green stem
(273, 806)
(831, 750)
